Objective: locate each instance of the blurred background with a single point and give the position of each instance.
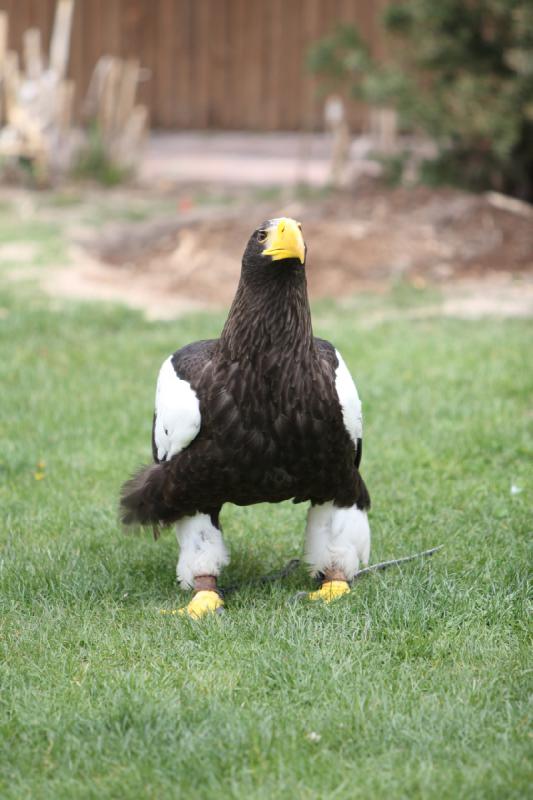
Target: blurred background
(157, 135)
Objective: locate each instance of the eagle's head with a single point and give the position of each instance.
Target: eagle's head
(277, 245)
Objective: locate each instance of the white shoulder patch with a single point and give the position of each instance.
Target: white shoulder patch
(177, 413)
(349, 400)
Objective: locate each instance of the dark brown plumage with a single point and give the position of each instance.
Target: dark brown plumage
(272, 426)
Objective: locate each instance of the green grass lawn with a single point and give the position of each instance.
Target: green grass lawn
(415, 685)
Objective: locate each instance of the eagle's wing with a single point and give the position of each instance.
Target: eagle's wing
(177, 418)
(347, 394)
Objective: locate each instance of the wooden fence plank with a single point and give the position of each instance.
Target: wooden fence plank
(183, 65)
(252, 67)
(163, 88)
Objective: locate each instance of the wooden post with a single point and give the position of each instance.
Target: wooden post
(384, 129)
(110, 103)
(11, 81)
(60, 41)
(65, 105)
(126, 91)
(33, 61)
(108, 99)
(335, 119)
(91, 104)
(132, 137)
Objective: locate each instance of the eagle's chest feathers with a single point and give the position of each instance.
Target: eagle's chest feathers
(288, 391)
(275, 409)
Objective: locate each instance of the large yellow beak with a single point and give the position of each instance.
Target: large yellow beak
(284, 240)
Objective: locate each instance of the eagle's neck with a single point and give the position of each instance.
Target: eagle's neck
(268, 316)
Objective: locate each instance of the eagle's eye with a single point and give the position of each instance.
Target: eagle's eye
(261, 236)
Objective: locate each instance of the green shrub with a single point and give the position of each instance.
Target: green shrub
(462, 73)
(93, 162)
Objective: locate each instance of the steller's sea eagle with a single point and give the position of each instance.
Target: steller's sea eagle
(265, 413)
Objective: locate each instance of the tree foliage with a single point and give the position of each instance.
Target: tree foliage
(460, 70)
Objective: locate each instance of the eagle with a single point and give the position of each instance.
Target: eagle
(265, 413)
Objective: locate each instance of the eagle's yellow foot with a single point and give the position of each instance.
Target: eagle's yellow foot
(203, 603)
(329, 591)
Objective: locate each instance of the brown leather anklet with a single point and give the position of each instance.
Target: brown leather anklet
(334, 575)
(203, 583)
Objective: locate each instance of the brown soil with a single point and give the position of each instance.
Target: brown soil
(189, 258)
(367, 239)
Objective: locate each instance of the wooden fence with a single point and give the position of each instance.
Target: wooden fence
(222, 64)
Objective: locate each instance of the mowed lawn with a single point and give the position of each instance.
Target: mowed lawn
(413, 686)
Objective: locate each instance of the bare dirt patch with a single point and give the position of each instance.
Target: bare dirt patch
(356, 241)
